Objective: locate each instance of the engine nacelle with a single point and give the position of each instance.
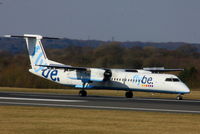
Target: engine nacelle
(100, 74)
(92, 74)
(107, 75)
(96, 74)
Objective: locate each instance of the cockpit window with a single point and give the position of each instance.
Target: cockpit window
(175, 80)
(172, 79)
(168, 79)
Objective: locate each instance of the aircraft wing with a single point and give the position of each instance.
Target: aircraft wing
(152, 70)
(58, 66)
(161, 70)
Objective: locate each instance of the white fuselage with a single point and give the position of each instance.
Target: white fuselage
(120, 80)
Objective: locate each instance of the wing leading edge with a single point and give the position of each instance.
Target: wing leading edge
(153, 70)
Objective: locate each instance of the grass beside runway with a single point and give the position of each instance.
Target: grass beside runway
(195, 94)
(44, 120)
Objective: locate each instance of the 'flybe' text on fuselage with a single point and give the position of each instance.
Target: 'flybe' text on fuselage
(143, 81)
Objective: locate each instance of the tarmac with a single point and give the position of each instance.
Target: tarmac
(100, 102)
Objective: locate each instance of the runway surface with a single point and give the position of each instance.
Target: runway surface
(100, 102)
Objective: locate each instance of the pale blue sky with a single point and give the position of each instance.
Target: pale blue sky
(133, 20)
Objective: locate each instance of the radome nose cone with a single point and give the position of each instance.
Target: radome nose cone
(186, 89)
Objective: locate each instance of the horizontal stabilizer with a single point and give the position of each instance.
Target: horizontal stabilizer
(30, 36)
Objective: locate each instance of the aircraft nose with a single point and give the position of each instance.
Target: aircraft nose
(185, 89)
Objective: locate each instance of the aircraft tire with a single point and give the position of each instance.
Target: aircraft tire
(129, 94)
(179, 97)
(82, 93)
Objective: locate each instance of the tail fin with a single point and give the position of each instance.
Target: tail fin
(36, 51)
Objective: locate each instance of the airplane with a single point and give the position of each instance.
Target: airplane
(129, 80)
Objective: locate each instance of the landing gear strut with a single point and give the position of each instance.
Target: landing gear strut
(82, 93)
(179, 97)
(129, 94)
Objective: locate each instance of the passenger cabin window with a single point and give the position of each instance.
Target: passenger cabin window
(172, 80)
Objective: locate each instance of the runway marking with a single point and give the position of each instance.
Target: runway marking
(167, 100)
(35, 99)
(138, 98)
(134, 98)
(103, 107)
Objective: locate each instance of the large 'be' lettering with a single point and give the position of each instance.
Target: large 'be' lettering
(146, 80)
(52, 74)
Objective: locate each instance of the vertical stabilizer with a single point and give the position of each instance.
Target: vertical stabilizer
(36, 52)
(37, 55)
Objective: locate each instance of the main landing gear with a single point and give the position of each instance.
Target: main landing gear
(179, 97)
(82, 93)
(129, 94)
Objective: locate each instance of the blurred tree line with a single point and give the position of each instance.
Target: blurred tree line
(14, 67)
